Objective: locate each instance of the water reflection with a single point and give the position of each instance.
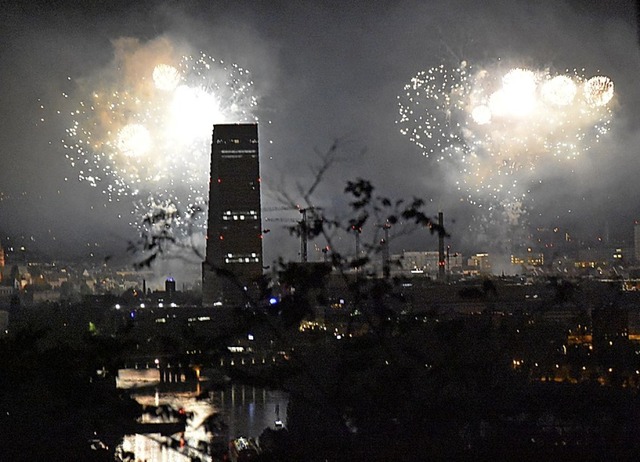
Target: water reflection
(248, 410)
(245, 409)
(213, 417)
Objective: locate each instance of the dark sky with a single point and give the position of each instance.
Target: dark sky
(322, 70)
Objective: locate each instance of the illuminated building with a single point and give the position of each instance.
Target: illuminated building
(170, 287)
(233, 263)
(610, 325)
(416, 263)
(601, 257)
(480, 262)
(530, 259)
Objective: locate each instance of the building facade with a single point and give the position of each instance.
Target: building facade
(233, 264)
(425, 264)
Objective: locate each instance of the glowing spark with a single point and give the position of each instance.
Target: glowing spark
(166, 77)
(495, 127)
(146, 132)
(192, 112)
(481, 114)
(517, 95)
(598, 90)
(559, 91)
(134, 140)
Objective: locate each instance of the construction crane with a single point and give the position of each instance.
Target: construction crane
(386, 258)
(303, 228)
(304, 234)
(280, 208)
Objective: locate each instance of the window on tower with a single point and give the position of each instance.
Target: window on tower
(242, 258)
(231, 215)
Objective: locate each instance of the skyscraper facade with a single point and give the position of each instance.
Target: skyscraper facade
(233, 263)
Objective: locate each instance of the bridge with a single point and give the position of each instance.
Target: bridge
(173, 369)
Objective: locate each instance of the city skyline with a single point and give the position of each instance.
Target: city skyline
(341, 81)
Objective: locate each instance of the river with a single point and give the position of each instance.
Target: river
(244, 410)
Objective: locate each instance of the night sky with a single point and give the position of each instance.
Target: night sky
(321, 71)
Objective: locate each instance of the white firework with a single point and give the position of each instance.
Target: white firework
(148, 133)
(496, 127)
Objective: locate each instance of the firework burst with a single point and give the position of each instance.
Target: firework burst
(143, 126)
(497, 127)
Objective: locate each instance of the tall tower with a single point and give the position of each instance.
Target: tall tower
(441, 256)
(233, 264)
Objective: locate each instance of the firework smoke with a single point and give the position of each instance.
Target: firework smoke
(497, 127)
(142, 126)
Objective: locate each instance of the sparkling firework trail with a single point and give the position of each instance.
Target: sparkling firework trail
(145, 130)
(497, 128)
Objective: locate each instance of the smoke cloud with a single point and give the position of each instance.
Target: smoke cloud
(322, 71)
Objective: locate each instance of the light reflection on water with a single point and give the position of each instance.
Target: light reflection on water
(248, 410)
(245, 409)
